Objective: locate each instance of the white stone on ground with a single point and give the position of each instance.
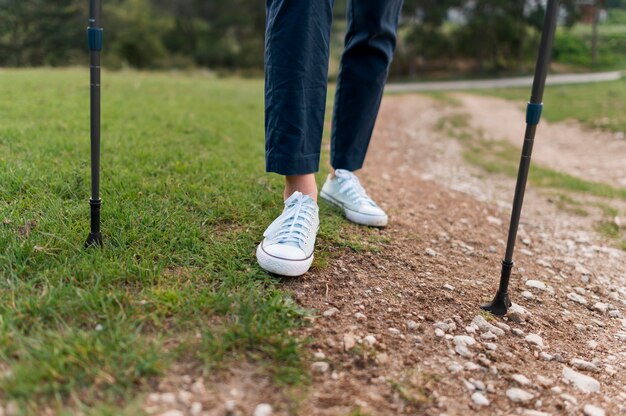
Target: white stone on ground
(579, 364)
(591, 410)
(534, 339)
(536, 284)
(600, 307)
(517, 395)
(521, 379)
(527, 295)
(485, 326)
(330, 312)
(370, 340)
(480, 399)
(584, 383)
(320, 367)
(263, 409)
(575, 297)
(448, 287)
(196, 408)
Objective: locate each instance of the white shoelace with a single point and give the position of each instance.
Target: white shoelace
(296, 222)
(351, 186)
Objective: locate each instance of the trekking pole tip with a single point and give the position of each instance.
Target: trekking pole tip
(499, 306)
(94, 240)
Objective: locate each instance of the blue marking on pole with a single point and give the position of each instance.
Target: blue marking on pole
(94, 37)
(533, 113)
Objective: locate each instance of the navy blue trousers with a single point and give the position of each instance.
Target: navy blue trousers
(296, 79)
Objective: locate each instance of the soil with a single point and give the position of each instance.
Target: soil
(401, 310)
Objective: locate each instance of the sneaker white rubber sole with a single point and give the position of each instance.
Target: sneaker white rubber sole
(280, 266)
(357, 217)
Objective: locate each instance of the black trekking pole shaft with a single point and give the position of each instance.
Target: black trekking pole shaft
(94, 36)
(501, 302)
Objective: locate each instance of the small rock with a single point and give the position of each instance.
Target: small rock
(579, 364)
(455, 368)
(442, 325)
(319, 356)
(491, 346)
(569, 398)
(544, 381)
(488, 335)
(348, 342)
(464, 340)
(545, 356)
(485, 326)
(448, 287)
(615, 314)
(263, 409)
(480, 399)
(370, 340)
(592, 345)
(530, 412)
(439, 333)
(360, 317)
(431, 252)
(518, 313)
(196, 408)
(412, 325)
(521, 379)
(517, 331)
(470, 366)
(330, 312)
(600, 307)
(517, 395)
(534, 339)
(527, 295)
(394, 332)
(320, 367)
(591, 410)
(584, 383)
(536, 284)
(463, 351)
(575, 297)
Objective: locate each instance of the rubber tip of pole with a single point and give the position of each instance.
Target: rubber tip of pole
(94, 240)
(499, 306)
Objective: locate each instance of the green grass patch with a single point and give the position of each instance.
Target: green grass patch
(185, 201)
(599, 105)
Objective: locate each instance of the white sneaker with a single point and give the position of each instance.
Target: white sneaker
(287, 248)
(346, 192)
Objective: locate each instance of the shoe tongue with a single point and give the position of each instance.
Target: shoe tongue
(298, 195)
(293, 198)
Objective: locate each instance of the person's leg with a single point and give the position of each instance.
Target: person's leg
(296, 79)
(369, 46)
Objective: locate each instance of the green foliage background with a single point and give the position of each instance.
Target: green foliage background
(495, 37)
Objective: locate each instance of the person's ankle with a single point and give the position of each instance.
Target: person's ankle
(301, 183)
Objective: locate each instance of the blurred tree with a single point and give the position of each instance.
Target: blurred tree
(40, 32)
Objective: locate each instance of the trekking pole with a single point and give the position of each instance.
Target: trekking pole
(501, 302)
(94, 36)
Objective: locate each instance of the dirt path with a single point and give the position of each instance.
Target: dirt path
(567, 147)
(399, 330)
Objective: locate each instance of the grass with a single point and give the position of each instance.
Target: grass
(185, 200)
(599, 105)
